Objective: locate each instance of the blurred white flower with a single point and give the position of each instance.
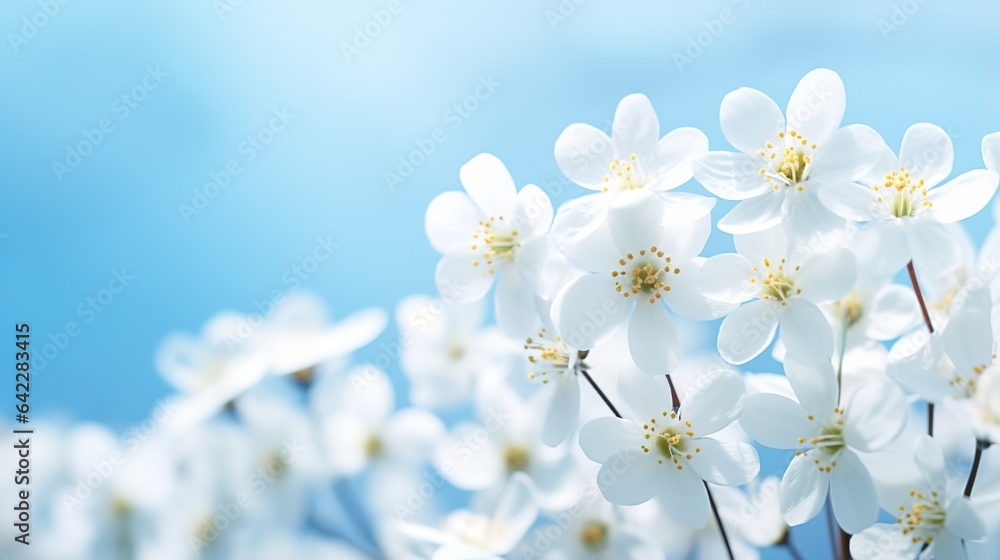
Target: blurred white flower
(827, 438)
(906, 208)
(927, 517)
(591, 530)
(489, 232)
(658, 452)
(446, 352)
(648, 261)
(785, 166)
(359, 428)
(479, 536)
(784, 286)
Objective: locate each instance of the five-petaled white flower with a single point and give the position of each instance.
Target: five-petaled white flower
(784, 165)
(646, 261)
(489, 232)
(827, 438)
(783, 285)
(929, 522)
(659, 452)
(906, 208)
(634, 157)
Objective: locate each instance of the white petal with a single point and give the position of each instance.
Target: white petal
(563, 411)
(884, 247)
(750, 120)
(852, 492)
(412, 434)
(687, 295)
(810, 222)
(602, 438)
(583, 154)
(671, 164)
(817, 105)
(849, 154)
(728, 464)
(927, 153)
(465, 466)
(456, 275)
(805, 331)
(687, 224)
(636, 129)
(883, 542)
(963, 521)
(645, 396)
(753, 214)
(968, 338)
(515, 304)
(892, 312)
(490, 185)
(635, 220)
(746, 332)
(991, 151)
(652, 339)
(451, 219)
(932, 246)
(683, 495)
(803, 490)
(827, 277)
(580, 230)
(725, 277)
(715, 401)
(815, 385)
(775, 421)
(515, 512)
(851, 201)
(874, 415)
(629, 480)
(963, 196)
(461, 551)
(733, 176)
(589, 311)
(532, 212)
(763, 244)
(945, 546)
(930, 461)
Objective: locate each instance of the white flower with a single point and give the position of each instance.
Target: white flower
(906, 208)
(926, 517)
(555, 365)
(658, 452)
(591, 530)
(784, 165)
(297, 336)
(447, 352)
(489, 232)
(827, 439)
(505, 441)
(783, 286)
(359, 429)
(478, 536)
(634, 157)
(991, 159)
(645, 262)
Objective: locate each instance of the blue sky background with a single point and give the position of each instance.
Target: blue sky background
(354, 117)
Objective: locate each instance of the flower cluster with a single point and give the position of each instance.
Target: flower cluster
(589, 422)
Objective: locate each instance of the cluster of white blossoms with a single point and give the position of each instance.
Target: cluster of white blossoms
(590, 422)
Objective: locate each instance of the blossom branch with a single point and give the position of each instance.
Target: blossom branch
(930, 329)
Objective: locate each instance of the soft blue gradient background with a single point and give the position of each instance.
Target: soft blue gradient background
(324, 174)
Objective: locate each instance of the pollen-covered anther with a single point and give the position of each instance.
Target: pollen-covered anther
(645, 274)
(625, 174)
(496, 239)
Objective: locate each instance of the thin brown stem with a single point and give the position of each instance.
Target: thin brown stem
(981, 445)
(718, 521)
(845, 545)
(930, 329)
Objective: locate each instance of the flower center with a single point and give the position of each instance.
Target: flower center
(776, 281)
(477, 530)
(850, 309)
(516, 458)
(903, 195)
(496, 239)
(646, 275)
(625, 175)
(373, 446)
(671, 438)
(547, 355)
(594, 535)
(792, 169)
(924, 518)
(964, 385)
(829, 441)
